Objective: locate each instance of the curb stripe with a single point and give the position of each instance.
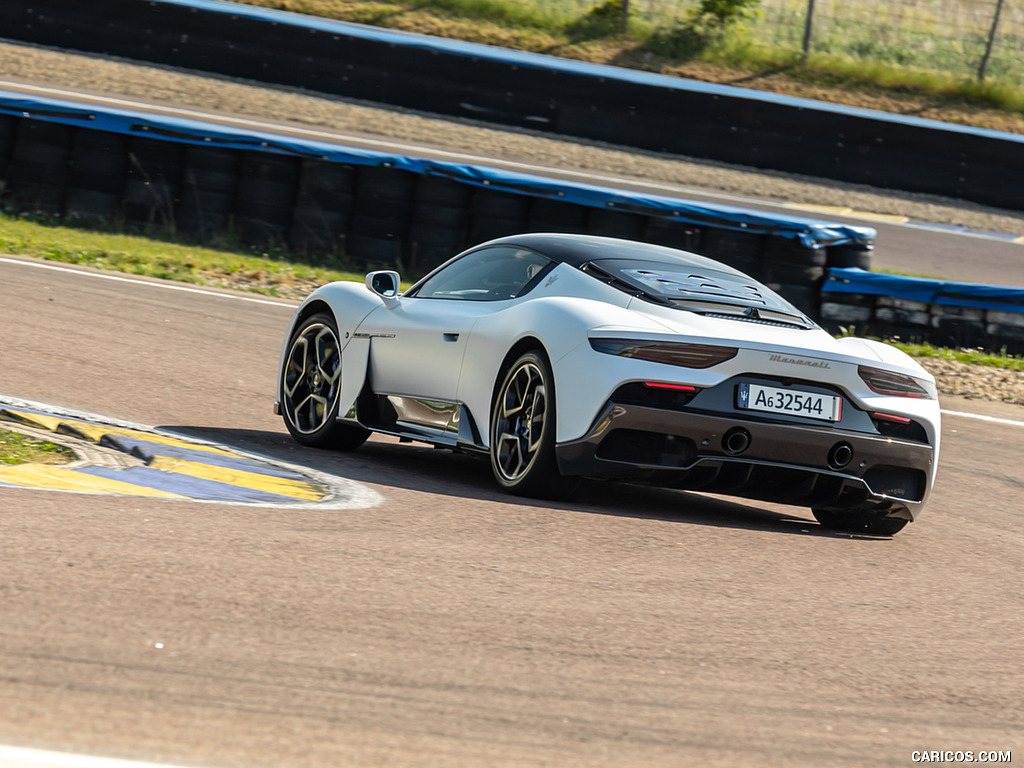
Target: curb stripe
(31, 419)
(195, 488)
(60, 478)
(174, 468)
(276, 485)
(979, 417)
(95, 433)
(147, 450)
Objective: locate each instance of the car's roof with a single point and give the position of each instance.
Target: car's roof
(577, 250)
(664, 275)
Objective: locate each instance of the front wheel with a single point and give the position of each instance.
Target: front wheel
(311, 387)
(523, 432)
(859, 521)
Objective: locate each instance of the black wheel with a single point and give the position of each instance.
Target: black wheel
(311, 387)
(523, 432)
(859, 521)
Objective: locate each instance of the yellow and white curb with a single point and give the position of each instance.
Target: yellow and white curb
(131, 460)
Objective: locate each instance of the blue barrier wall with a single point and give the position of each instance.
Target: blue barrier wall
(606, 103)
(380, 209)
(917, 309)
(392, 210)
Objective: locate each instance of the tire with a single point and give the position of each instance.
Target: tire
(523, 432)
(845, 256)
(672, 234)
(326, 186)
(439, 191)
(787, 251)
(859, 521)
(793, 274)
(804, 297)
(311, 387)
(628, 226)
(557, 216)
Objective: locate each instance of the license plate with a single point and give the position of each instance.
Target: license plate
(792, 402)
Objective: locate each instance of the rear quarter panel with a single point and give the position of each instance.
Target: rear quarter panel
(350, 303)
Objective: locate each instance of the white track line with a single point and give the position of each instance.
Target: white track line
(992, 419)
(165, 286)
(17, 757)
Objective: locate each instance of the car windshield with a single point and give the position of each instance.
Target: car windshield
(709, 288)
(489, 274)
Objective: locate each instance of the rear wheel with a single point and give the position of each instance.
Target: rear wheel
(859, 521)
(311, 387)
(523, 432)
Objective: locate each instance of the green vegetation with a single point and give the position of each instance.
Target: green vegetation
(168, 258)
(16, 448)
(968, 356)
(899, 50)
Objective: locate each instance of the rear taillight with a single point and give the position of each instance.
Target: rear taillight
(895, 384)
(670, 353)
(673, 387)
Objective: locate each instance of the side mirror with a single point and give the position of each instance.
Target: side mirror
(384, 283)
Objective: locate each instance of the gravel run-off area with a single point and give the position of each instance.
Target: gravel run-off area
(114, 77)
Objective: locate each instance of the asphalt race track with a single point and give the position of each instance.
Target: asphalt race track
(450, 625)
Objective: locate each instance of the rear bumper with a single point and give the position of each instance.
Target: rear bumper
(807, 465)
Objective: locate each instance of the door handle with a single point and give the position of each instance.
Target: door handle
(451, 336)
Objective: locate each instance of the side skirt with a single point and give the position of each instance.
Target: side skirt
(441, 423)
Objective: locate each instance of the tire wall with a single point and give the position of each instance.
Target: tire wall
(374, 211)
(947, 314)
(543, 93)
(361, 208)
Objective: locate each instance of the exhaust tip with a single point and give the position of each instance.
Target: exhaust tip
(840, 455)
(735, 441)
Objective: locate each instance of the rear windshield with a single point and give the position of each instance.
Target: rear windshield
(708, 288)
(701, 283)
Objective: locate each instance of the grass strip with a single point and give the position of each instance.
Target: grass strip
(273, 274)
(962, 355)
(16, 448)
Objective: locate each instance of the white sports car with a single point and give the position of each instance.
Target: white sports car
(570, 356)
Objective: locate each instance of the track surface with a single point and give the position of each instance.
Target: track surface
(454, 626)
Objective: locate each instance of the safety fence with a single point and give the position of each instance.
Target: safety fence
(966, 38)
(202, 181)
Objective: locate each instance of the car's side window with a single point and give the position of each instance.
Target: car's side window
(489, 274)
